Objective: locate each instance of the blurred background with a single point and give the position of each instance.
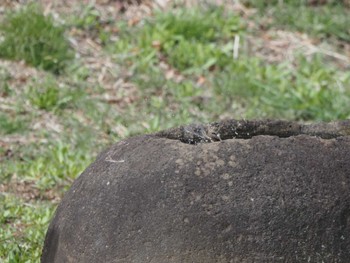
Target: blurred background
(77, 76)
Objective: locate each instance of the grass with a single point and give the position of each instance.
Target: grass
(48, 95)
(90, 20)
(57, 166)
(310, 92)
(4, 79)
(12, 124)
(30, 36)
(322, 21)
(189, 40)
(45, 97)
(24, 220)
(177, 68)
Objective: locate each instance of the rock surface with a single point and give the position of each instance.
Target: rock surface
(224, 192)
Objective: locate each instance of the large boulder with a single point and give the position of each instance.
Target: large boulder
(234, 191)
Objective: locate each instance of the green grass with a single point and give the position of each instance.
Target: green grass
(89, 20)
(268, 3)
(12, 124)
(30, 36)
(189, 40)
(179, 69)
(309, 92)
(46, 94)
(330, 20)
(58, 164)
(4, 79)
(48, 167)
(45, 97)
(322, 22)
(20, 239)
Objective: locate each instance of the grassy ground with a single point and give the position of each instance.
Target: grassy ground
(78, 77)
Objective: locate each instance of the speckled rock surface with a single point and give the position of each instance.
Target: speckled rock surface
(209, 198)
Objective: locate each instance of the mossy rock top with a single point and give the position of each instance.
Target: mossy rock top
(232, 191)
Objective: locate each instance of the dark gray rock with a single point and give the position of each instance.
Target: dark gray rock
(224, 192)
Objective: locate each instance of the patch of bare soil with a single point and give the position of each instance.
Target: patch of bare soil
(27, 191)
(18, 74)
(275, 46)
(19, 77)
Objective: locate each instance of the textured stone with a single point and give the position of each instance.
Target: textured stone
(224, 192)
